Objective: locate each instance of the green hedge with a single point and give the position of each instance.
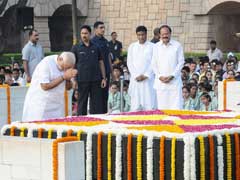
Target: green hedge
(6, 59)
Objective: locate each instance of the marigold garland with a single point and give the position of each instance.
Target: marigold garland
(79, 134)
(12, 130)
(225, 93)
(50, 133)
(8, 104)
(109, 156)
(237, 156)
(211, 155)
(99, 156)
(139, 157)
(66, 102)
(69, 132)
(129, 157)
(173, 159)
(55, 153)
(162, 156)
(40, 132)
(202, 158)
(22, 131)
(229, 156)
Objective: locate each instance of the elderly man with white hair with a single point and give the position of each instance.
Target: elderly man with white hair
(45, 96)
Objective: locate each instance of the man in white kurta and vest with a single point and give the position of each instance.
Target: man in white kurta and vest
(168, 60)
(139, 63)
(45, 96)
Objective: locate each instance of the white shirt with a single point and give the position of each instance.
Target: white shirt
(167, 60)
(44, 104)
(216, 54)
(139, 59)
(139, 63)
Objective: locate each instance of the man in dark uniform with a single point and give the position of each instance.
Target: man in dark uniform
(115, 47)
(91, 77)
(102, 43)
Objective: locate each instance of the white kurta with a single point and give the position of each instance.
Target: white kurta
(168, 60)
(40, 104)
(139, 59)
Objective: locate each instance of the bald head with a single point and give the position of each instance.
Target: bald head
(66, 60)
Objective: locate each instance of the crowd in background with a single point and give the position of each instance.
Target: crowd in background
(200, 77)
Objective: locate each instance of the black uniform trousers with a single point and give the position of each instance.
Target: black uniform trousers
(94, 91)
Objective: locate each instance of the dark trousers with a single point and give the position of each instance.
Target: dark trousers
(94, 91)
(105, 95)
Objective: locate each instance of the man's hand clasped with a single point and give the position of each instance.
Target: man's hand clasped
(141, 78)
(166, 79)
(69, 74)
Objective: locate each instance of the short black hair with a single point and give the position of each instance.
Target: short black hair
(206, 85)
(230, 62)
(165, 26)
(219, 63)
(193, 85)
(214, 62)
(186, 68)
(206, 95)
(8, 71)
(2, 67)
(141, 29)
(31, 32)
(97, 23)
(115, 83)
(195, 81)
(87, 27)
(193, 62)
(118, 68)
(16, 69)
(203, 59)
(187, 88)
(156, 31)
(113, 33)
(213, 42)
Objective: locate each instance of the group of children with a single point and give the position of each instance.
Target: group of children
(200, 81)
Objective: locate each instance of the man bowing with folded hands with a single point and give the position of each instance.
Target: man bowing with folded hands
(45, 96)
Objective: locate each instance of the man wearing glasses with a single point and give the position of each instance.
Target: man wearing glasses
(102, 43)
